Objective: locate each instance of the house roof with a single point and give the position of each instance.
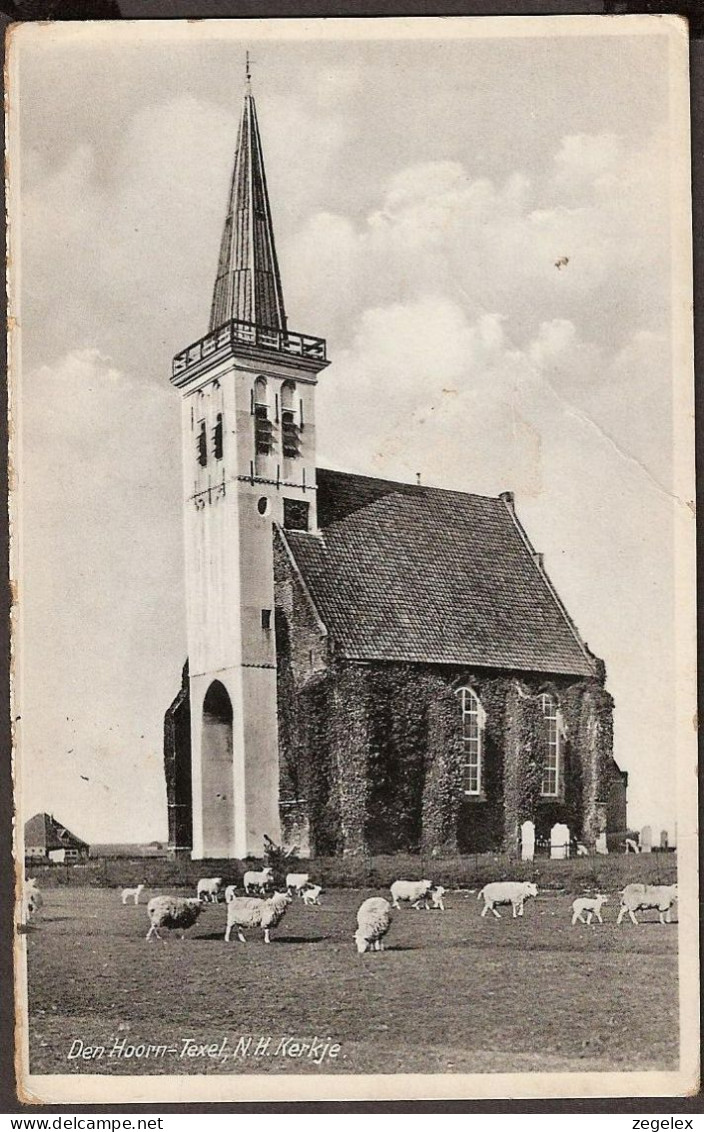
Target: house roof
(43, 830)
(412, 573)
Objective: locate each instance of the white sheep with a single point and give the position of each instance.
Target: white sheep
(373, 922)
(32, 899)
(589, 904)
(311, 894)
(436, 895)
(660, 896)
(250, 912)
(132, 892)
(209, 889)
(258, 881)
(173, 912)
(230, 893)
(412, 890)
(511, 892)
(296, 882)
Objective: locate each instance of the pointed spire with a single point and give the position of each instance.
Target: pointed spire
(248, 284)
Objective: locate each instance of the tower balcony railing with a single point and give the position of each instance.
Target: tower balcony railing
(249, 334)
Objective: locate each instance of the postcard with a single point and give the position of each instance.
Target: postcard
(353, 553)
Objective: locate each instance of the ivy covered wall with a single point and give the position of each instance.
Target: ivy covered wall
(372, 751)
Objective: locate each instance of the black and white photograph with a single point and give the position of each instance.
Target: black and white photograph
(353, 559)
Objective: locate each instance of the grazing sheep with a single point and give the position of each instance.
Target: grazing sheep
(259, 881)
(249, 912)
(582, 850)
(134, 892)
(230, 893)
(589, 904)
(511, 892)
(209, 889)
(296, 882)
(373, 922)
(412, 890)
(660, 896)
(173, 912)
(311, 895)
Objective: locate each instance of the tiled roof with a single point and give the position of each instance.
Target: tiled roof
(248, 284)
(44, 830)
(412, 573)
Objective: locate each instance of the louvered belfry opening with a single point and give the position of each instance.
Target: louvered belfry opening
(248, 284)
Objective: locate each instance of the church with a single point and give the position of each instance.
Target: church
(372, 666)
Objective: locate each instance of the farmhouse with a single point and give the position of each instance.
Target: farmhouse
(45, 839)
(372, 665)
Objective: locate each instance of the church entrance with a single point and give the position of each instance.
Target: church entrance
(217, 771)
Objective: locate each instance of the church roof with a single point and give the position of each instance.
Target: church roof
(248, 284)
(44, 831)
(412, 573)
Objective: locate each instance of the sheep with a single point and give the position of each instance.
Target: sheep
(412, 890)
(511, 892)
(373, 921)
(135, 892)
(258, 880)
(209, 889)
(230, 893)
(249, 912)
(311, 894)
(173, 912)
(436, 895)
(660, 896)
(32, 899)
(297, 881)
(589, 904)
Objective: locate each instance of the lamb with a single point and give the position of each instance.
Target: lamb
(259, 881)
(297, 882)
(176, 912)
(436, 895)
(411, 890)
(230, 893)
(589, 904)
(249, 912)
(209, 889)
(134, 892)
(311, 894)
(373, 922)
(660, 896)
(511, 892)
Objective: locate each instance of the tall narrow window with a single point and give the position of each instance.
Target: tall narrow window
(290, 428)
(550, 785)
(263, 430)
(202, 445)
(473, 716)
(217, 437)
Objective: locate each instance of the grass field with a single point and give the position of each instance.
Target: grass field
(452, 992)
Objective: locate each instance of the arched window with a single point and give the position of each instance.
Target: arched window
(290, 424)
(550, 784)
(473, 717)
(263, 431)
(217, 437)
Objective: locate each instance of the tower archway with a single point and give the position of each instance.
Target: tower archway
(217, 769)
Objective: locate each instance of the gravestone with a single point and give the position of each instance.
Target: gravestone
(646, 839)
(527, 841)
(559, 842)
(601, 846)
(663, 839)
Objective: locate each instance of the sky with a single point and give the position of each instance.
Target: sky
(483, 229)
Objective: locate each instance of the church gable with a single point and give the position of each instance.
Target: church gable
(417, 574)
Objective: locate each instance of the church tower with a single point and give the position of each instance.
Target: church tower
(248, 422)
